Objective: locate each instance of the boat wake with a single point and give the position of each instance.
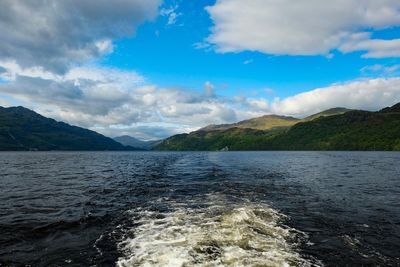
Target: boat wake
(218, 235)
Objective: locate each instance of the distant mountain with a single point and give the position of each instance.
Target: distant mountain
(328, 112)
(269, 122)
(266, 122)
(127, 140)
(24, 129)
(347, 130)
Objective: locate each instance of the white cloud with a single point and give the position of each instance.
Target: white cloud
(104, 98)
(372, 94)
(53, 34)
(375, 48)
(304, 27)
(11, 69)
(202, 45)
(104, 75)
(171, 14)
(381, 70)
(259, 104)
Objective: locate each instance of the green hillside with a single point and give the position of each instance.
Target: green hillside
(329, 112)
(233, 139)
(355, 130)
(23, 129)
(266, 122)
(352, 130)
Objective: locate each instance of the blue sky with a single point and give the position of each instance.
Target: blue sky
(166, 54)
(155, 68)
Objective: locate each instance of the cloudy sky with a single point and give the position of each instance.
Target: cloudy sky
(153, 68)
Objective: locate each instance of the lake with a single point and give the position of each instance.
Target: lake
(199, 208)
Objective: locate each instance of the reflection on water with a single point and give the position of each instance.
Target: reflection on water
(204, 209)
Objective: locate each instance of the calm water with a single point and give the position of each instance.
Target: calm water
(200, 209)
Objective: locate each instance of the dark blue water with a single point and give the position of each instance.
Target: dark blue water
(194, 209)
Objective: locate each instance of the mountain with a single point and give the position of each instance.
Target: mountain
(269, 122)
(351, 130)
(127, 140)
(328, 112)
(266, 122)
(354, 130)
(24, 129)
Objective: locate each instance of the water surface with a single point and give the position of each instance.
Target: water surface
(199, 209)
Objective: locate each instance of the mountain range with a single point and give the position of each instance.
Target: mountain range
(127, 140)
(333, 129)
(24, 129)
(272, 122)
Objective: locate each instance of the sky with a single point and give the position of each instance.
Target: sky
(153, 68)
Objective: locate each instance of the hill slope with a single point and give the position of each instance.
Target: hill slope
(269, 122)
(266, 122)
(353, 130)
(232, 139)
(326, 113)
(23, 129)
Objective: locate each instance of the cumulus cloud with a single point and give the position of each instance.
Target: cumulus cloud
(369, 94)
(374, 48)
(304, 27)
(109, 100)
(52, 34)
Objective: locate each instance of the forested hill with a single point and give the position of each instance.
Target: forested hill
(348, 130)
(24, 129)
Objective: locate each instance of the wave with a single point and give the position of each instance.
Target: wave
(238, 235)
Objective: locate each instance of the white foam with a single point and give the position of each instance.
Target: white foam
(248, 235)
